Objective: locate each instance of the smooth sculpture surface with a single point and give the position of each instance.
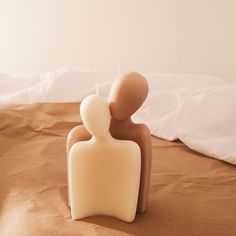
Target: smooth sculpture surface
(126, 95)
(104, 173)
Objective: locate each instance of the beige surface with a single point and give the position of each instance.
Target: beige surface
(189, 195)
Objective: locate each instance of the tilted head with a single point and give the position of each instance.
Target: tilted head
(95, 114)
(127, 95)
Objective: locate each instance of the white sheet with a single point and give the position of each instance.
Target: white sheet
(73, 83)
(207, 123)
(168, 111)
(66, 84)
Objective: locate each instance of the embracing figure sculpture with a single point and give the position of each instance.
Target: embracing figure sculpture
(126, 96)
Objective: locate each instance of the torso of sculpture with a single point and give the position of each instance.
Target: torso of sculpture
(104, 173)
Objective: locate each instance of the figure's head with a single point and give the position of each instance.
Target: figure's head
(95, 114)
(127, 94)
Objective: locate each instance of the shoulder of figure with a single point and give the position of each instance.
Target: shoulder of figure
(144, 130)
(76, 129)
(130, 146)
(79, 147)
(79, 133)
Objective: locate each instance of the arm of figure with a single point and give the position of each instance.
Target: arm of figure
(78, 133)
(146, 161)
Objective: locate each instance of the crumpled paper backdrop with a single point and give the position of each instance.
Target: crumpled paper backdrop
(190, 194)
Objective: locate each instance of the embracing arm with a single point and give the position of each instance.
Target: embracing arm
(146, 161)
(78, 133)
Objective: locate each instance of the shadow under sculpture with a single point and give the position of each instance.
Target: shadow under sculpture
(126, 96)
(104, 173)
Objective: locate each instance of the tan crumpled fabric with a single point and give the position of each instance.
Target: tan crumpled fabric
(190, 194)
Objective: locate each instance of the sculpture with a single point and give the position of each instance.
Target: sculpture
(127, 94)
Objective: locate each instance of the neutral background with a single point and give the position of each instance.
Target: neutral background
(183, 36)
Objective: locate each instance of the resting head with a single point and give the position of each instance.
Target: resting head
(95, 114)
(127, 95)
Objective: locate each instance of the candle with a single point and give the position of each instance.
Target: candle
(104, 173)
(126, 95)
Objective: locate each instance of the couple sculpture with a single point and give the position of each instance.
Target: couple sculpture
(109, 156)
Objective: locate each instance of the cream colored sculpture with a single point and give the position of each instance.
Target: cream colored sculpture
(104, 173)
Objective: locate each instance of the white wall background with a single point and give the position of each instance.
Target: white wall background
(183, 36)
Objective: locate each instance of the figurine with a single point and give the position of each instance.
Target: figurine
(104, 173)
(126, 96)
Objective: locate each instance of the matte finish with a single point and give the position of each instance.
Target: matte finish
(127, 94)
(104, 173)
